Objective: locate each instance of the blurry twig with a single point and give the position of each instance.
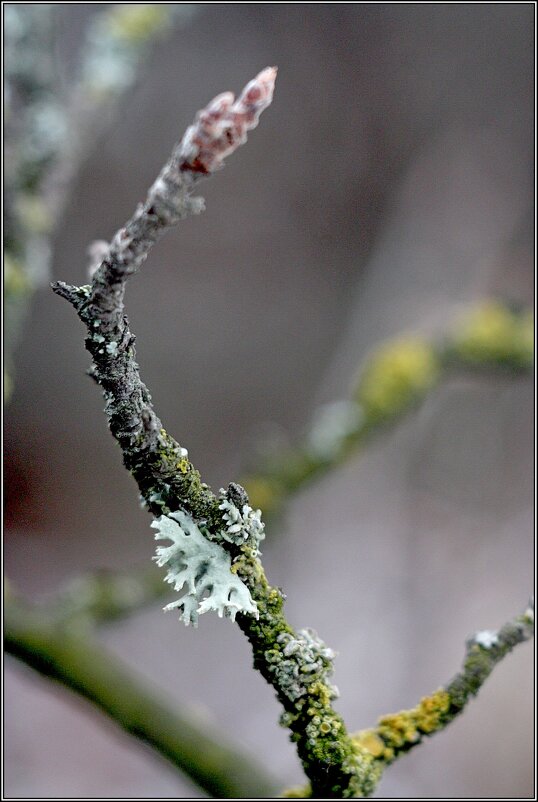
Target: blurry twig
(105, 596)
(396, 378)
(66, 653)
(50, 128)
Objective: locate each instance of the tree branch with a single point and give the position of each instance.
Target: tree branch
(69, 655)
(295, 664)
(490, 340)
(396, 734)
(395, 379)
(105, 595)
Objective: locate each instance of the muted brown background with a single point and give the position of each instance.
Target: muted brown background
(389, 184)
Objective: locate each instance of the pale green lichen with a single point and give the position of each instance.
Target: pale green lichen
(300, 662)
(486, 638)
(332, 425)
(203, 566)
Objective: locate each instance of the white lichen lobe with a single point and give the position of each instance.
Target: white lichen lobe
(486, 638)
(203, 566)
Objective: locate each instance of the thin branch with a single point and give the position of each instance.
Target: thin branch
(396, 734)
(396, 378)
(104, 596)
(68, 655)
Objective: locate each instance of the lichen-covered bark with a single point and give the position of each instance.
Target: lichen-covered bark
(295, 664)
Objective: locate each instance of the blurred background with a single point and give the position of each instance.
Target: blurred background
(390, 183)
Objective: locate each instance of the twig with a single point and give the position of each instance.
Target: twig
(69, 655)
(394, 381)
(104, 596)
(396, 734)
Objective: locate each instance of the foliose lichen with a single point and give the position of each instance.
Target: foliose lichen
(300, 662)
(242, 524)
(204, 567)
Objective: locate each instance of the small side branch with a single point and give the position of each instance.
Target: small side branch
(100, 597)
(396, 734)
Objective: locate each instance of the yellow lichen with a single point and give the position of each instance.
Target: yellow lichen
(398, 729)
(183, 465)
(430, 711)
(401, 729)
(491, 332)
(134, 23)
(16, 281)
(322, 692)
(370, 741)
(397, 374)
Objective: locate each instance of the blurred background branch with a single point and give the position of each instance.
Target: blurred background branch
(490, 339)
(64, 651)
(395, 378)
(53, 119)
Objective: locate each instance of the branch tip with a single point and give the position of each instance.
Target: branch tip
(222, 126)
